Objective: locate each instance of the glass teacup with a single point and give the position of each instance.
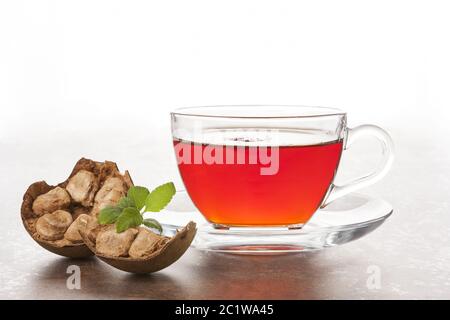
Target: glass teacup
(267, 166)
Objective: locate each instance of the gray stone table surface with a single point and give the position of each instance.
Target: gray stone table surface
(411, 249)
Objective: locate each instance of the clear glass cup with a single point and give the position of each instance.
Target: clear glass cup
(267, 166)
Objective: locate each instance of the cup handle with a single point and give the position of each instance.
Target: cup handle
(337, 191)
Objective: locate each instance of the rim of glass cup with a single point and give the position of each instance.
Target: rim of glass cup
(236, 111)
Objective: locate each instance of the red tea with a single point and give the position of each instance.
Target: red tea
(238, 194)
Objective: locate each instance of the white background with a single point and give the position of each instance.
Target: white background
(98, 78)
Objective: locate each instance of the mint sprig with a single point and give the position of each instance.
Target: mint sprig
(159, 197)
(138, 195)
(128, 213)
(130, 217)
(152, 223)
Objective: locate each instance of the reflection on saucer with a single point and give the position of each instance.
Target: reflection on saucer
(346, 219)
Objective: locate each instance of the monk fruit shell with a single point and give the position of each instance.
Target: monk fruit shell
(147, 252)
(42, 205)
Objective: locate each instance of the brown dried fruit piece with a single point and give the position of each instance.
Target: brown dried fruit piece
(147, 252)
(53, 200)
(42, 200)
(113, 244)
(72, 233)
(109, 194)
(52, 226)
(145, 243)
(82, 187)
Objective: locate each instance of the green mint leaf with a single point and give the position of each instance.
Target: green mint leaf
(152, 223)
(160, 197)
(109, 215)
(126, 202)
(130, 217)
(138, 195)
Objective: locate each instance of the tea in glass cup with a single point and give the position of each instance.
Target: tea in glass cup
(266, 166)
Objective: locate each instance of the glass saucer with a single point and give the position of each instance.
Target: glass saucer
(346, 219)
